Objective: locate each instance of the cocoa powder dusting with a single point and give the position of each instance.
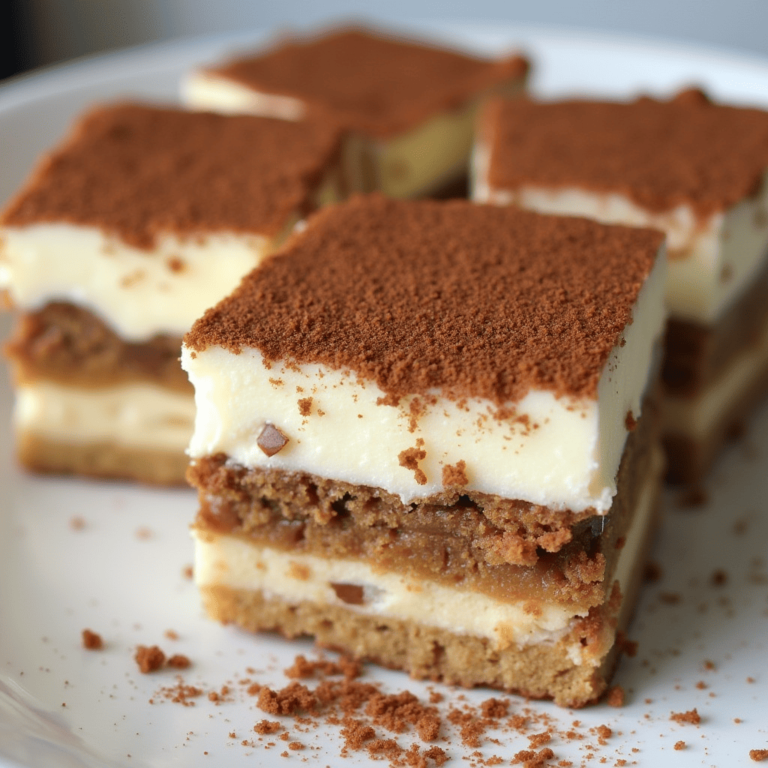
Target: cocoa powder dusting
(533, 301)
(190, 173)
(660, 154)
(370, 82)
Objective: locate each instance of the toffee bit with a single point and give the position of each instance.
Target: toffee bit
(271, 440)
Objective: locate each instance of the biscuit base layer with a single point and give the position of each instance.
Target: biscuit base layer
(536, 671)
(102, 460)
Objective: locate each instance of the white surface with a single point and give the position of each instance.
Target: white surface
(55, 581)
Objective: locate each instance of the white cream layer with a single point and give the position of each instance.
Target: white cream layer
(566, 457)
(700, 415)
(228, 561)
(137, 293)
(711, 261)
(131, 415)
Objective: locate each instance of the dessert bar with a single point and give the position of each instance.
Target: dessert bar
(408, 108)
(693, 169)
(426, 435)
(121, 238)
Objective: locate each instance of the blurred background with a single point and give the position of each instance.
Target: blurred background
(36, 33)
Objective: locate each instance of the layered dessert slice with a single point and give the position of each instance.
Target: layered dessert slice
(123, 235)
(695, 170)
(408, 108)
(426, 435)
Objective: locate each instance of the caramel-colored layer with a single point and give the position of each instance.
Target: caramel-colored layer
(696, 355)
(101, 460)
(485, 543)
(68, 345)
(536, 671)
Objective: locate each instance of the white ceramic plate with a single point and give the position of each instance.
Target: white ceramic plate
(121, 573)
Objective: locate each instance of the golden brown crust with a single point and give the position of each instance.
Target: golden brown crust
(660, 154)
(139, 172)
(375, 84)
(476, 301)
(66, 344)
(101, 460)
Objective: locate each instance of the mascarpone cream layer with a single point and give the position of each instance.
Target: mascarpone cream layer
(138, 293)
(712, 260)
(560, 452)
(234, 562)
(133, 415)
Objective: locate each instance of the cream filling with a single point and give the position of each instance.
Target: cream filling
(559, 452)
(410, 164)
(700, 415)
(712, 261)
(138, 293)
(223, 560)
(132, 415)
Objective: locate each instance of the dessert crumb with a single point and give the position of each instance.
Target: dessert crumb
(758, 755)
(680, 745)
(149, 658)
(692, 717)
(92, 640)
(615, 696)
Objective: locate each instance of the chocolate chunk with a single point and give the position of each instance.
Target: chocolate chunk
(271, 440)
(349, 593)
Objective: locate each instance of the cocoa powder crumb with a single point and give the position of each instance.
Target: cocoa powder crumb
(92, 641)
(719, 578)
(265, 727)
(758, 755)
(287, 701)
(455, 475)
(305, 406)
(149, 658)
(179, 661)
(531, 759)
(410, 458)
(680, 745)
(614, 697)
(691, 717)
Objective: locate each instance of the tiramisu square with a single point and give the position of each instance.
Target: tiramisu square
(408, 108)
(123, 236)
(695, 170)
(425, 435)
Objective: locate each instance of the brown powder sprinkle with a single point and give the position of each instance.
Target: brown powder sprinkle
(455, 475)
(92, 641)
(758, 755)
(530, 759)
(410, 459)
(533, 301)
(692, 717)
(305, 406)
(719, 578)
(371, 82)
(680, 745)
(179, 661)
(263, 171)
(614, 696)
(149, 658)
(267, 726)
(660, 154)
